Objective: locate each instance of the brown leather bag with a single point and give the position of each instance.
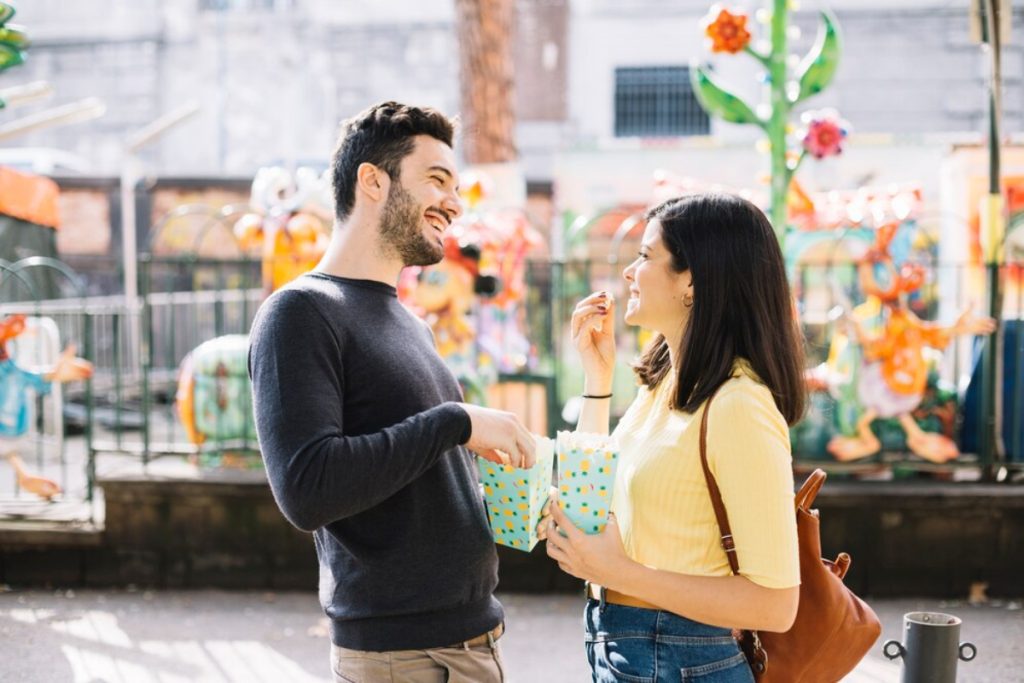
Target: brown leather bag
(833, 629)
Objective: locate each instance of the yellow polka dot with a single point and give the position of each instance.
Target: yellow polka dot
(508, 469)
(509, 513)
(524, 506)
(488, 490)
(509, 524)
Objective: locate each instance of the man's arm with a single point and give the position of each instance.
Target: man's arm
(319, 475)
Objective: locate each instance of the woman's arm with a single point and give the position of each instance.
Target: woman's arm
(596, 413)
(727, 601)
(748, 449)
(593, 334)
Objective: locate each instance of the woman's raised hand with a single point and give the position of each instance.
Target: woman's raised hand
(593, 334)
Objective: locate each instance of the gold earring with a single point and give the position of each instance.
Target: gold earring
(688, 300)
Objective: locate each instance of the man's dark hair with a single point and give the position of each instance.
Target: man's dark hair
(381, 135)
(742, 306)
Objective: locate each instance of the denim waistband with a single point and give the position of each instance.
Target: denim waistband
(619, 621)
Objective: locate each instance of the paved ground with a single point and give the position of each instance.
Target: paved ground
(191, 636)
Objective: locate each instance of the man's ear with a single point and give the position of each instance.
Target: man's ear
(372, 182)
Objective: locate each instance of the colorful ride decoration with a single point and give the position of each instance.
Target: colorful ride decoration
(1013, 245)
(290, 227)
(445, 295)
(473, 299)
(13, 41)
(16, 383)
(29, 220)
(214, 400)
(823, 131)
(882, 364)
(1011, 382)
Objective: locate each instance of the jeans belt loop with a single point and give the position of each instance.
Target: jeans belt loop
(603, 601)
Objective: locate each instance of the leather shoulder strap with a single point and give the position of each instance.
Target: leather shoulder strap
(716, 496)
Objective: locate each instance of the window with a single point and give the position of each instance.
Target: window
(242, 5)
(657, 101)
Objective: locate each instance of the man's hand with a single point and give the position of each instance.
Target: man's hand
(500, 437)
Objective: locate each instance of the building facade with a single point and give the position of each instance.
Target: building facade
(273, 78)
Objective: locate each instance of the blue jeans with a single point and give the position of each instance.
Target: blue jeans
(653, 646)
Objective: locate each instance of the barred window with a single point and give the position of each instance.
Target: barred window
(243, 5)
(653, 101)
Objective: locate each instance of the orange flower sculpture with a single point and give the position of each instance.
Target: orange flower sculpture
(727, 31)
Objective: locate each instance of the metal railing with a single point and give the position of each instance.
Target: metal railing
(28, 287)
(128, 406)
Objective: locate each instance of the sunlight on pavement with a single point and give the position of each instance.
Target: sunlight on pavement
(98, 649)
(874, 671)
(184, 662)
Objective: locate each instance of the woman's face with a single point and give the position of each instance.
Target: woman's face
(656, 292)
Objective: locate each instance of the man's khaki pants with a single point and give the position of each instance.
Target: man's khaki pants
(476, 664)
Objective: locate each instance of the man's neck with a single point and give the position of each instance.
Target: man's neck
(354, 252)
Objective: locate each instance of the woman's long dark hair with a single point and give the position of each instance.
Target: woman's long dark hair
(741, 303)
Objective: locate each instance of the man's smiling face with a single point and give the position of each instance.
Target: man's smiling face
(422, 202)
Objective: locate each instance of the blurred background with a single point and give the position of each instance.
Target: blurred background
(162, 171)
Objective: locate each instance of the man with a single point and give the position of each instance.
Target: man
(362, 427)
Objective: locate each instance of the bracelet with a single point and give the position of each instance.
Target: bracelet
(596, 395)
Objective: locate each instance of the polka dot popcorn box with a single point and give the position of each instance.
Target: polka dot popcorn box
(515, 497)
(586, 472)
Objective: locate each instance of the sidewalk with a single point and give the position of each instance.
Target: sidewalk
(189, 636)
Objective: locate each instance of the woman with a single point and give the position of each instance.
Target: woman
(710, 282)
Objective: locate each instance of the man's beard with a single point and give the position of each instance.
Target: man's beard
(401, 230)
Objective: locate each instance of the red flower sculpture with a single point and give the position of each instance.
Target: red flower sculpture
(727, 31)
(825, 133)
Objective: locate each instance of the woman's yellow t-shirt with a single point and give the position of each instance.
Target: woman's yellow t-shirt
(661, 498)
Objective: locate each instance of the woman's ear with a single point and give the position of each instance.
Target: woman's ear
(372, 182)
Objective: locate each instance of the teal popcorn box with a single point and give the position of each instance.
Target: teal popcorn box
(515, 497)
(586, 474)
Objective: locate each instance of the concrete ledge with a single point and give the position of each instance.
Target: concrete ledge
(33, 534)
(224, 530)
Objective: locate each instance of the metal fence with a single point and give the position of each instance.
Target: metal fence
(128, 406)
(35, 420)
(823, 294)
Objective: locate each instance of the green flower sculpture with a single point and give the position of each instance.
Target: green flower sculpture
(727, 32)
(13, 40)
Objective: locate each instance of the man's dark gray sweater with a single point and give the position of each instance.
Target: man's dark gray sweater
(360, 432)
